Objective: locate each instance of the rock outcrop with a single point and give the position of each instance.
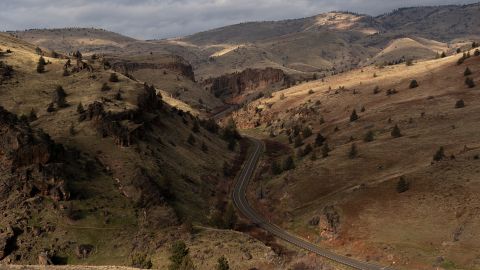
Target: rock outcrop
(174, 64)
(235, 84)
(29, 160)
(125, 126)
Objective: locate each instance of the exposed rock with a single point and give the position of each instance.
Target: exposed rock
(329, 222)
(176, 64)
(44, 258)
(234, 84)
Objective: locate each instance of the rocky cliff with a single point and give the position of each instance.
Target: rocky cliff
(235, 84)
(173, 63)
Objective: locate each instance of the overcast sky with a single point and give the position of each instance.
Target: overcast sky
(149, 19)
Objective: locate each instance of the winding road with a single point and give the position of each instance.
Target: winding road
(240, 201)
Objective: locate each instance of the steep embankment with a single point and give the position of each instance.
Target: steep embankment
(402, 196)
(97, 169)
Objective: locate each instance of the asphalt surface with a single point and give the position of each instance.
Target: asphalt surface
(240, 201)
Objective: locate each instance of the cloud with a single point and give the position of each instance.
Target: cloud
(147, 19)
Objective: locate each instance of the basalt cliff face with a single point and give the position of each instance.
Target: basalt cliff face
(173, 63)
(232, 85)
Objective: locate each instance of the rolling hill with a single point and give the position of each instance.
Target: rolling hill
(397, 181)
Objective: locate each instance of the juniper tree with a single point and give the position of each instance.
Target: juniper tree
(105, 87)
(59, 96)
(179, 252)
(288, 164)
(353, 153)
(469, 82)
(353, 116)
(319, 140)
(275, 168)
(222, 263)
(413, 84)
(369, 137)
(80, 108)
(439, 155)
(113, 77)
(402, 185)
(467, 72)
(459, 104)
(325, 150)
(396, 132)
(191, 139)
(41, 65)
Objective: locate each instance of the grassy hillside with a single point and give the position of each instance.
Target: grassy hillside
(356, 202)
(123, 174)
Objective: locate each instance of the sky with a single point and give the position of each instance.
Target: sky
(156, 19)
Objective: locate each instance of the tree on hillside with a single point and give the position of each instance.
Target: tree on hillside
(369, 137)
(413, 84)
(319, 140)
(307, 132)
(275, 168)
(80, 108)
(298, 142)
(229, 217)
(443, 55)
(196, 126)
(396, 132)
(38, 51)
(325, 150)
(41, 65)
(191, 139)
(353, 153)
(353, 116)
(467, 72)
(439, 155)
(459, 104)
(288, 164)
(59, 96)
(222, 263)
(113, 78)
(402, 185)
(179, 252)
(469, 82)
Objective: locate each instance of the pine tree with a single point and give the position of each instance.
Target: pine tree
(459, 104)
(298, 142)
(353, 116)
(467, 72)
(229, 217)
(41, 65)
(439, 155)
(59, 96)
(222, 264)
(308, 149)
(396, 132)
(178, 252)
(80, 108)
(469, 82)
(443, 55)
(353, 153)
(275, 168)
(402, 185)
(113, 77)
(319, 140)
(196, 127)
(191, 139)
(288, 164)
(369, 137)
(325, 150)
(413, 84)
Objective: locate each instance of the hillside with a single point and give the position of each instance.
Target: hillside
(114, 181)
(324, 44)
(356, 203)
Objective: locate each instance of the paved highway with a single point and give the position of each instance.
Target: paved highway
(240, 201)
